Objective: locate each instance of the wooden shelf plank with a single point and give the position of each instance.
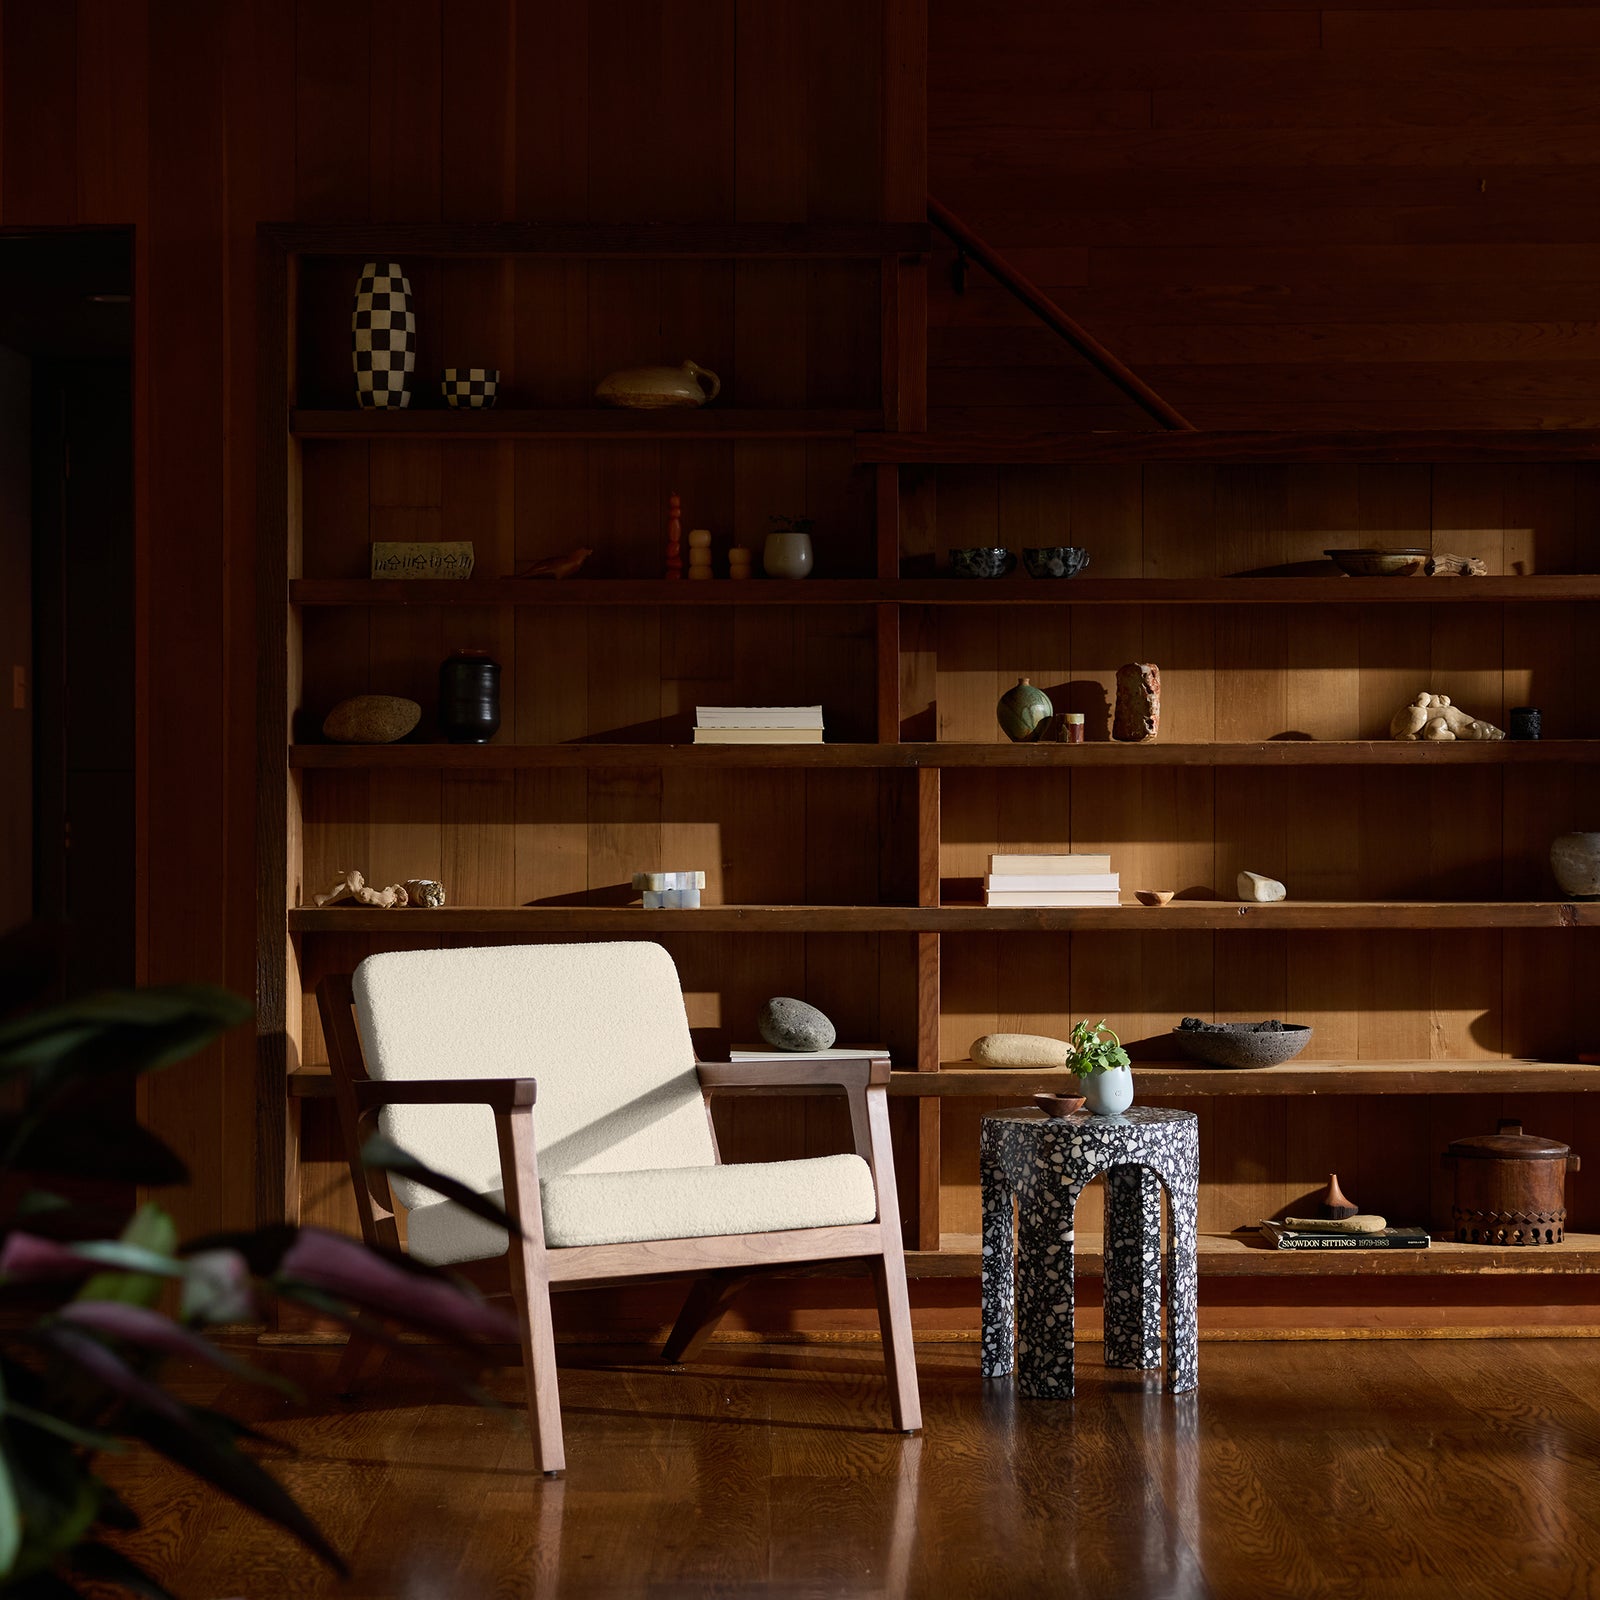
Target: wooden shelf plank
(1268, 753)
(1192, 916)
(1232, 1255)
(1021, 446)
(1337, 589)
(708, 240)
(1182, 1079)
(1179, 1079)
(577, 423)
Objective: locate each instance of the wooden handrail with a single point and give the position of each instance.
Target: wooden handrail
(1057, 320)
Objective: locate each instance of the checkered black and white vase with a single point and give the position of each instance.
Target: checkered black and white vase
(470, 386)
(384, 328)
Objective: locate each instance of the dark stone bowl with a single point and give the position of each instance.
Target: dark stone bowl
(1055, 561)
(982, 561)
(1242, 1044)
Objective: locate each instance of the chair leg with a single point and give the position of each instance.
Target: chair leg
(539, 1373)
(702, 1311)
(894, 1325)
(361, 1355)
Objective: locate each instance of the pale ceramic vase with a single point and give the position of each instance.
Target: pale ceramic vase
(787, 555)
(1575, 860)
(1109, 1093)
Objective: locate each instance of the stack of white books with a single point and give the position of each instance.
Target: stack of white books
(1058, 879)
(758, 724)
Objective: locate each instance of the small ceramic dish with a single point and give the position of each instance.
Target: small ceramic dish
(982, 561)
(1058, 1105)
(1243, 1044)
(1152, 897)
(1381, 563)
(1055, 561)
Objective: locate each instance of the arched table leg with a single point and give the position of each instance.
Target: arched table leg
(1133, 1267)
(999, 1285)
(1045, 1293)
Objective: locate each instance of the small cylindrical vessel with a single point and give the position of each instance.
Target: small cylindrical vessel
(469, 697)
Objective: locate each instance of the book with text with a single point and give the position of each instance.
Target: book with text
(1390, 1239)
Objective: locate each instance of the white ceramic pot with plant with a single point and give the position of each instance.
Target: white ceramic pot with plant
(1097, 1056)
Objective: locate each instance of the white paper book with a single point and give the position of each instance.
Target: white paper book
(1058, 862)
(1054, 897)
(758, 716)
(838, 1053)
(758, 735)
(1076, 881)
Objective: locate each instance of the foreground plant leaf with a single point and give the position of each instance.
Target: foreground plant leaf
(187, 1437)
(383, 1155)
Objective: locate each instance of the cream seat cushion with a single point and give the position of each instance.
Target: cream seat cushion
(667, 1203)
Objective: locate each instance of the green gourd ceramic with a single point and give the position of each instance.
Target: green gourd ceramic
(1023, 710)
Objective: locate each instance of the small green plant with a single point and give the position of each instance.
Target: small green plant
(1095, 1048)
(781, 524)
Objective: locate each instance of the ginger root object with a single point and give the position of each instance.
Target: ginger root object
(353, 886)
(1432, 717)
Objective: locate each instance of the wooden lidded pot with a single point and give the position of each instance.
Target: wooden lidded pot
(1510, 1187)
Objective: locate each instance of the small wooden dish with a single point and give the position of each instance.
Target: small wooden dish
(1058, 1105)
(1152, 897)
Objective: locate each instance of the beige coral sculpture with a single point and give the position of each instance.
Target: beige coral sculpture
(1432, 717)
(353, 886)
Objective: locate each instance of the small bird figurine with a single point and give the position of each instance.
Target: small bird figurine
(556, 566)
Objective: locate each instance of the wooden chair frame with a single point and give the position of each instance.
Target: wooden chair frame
(531, 1272)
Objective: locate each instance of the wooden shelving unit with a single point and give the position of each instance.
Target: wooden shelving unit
(1335, 589)
(1055, 757)
(1225, 1255)
(1189, 917)
(1424, 935)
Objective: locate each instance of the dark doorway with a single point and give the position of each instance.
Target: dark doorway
(67, 859)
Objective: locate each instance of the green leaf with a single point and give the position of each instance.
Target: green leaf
(10, 1512)
(84, 1437)
(150, 1230)
(116, 1149)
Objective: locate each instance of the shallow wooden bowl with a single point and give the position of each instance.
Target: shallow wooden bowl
(1058, 1105)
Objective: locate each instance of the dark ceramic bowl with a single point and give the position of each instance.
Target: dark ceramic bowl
(1242, 1044)
(1380, 563)
(1055, 561)
(982, 561)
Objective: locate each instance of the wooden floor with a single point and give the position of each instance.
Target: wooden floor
(1447, 1468)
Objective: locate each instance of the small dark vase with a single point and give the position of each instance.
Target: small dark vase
(469, 697)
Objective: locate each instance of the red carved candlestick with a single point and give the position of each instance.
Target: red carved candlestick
(674, 537)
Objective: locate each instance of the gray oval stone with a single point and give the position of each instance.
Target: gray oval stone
(793, 1025)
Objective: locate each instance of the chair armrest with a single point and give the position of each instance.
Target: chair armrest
(848, 1074)
(499, 1094)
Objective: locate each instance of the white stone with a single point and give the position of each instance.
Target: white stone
(1255, 886)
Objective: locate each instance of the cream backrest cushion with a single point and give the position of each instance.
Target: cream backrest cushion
(601, 1026)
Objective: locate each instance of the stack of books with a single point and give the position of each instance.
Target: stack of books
(758, 724)
(1284, 1237)
(1051, 880)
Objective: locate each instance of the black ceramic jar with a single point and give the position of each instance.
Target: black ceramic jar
(469, 697)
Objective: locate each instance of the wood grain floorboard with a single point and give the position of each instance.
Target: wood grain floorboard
(1307, 1471)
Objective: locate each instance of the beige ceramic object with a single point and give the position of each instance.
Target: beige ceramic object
(1020, 1050)
(1434, 718)
(1257, 886)
(1152, 897)
(659, 388)
(371, 719)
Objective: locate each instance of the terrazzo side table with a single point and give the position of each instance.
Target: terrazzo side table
(1045, 1162)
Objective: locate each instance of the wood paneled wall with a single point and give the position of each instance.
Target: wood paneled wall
(194, 120)
(1279, 214)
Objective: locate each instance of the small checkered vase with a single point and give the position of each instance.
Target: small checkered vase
(470, 386)
(384, 326)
